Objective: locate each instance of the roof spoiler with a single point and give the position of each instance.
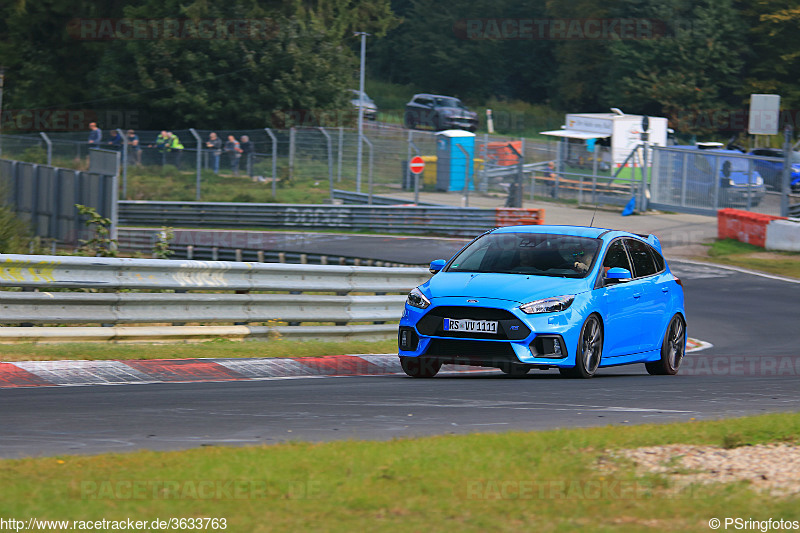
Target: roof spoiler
(652, 240)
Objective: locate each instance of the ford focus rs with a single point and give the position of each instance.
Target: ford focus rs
(567, 297)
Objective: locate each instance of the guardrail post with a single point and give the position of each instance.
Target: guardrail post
(49, 144)
(330, 161)
(369, 143)
(274, 159)
(339, 158)
(124, 163)
(292, 135)
(787, 170)
(198, 161)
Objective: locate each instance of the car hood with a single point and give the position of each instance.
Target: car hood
(457, 112)
(512, 287)
(741, 179)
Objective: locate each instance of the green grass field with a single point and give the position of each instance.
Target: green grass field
(735, 253)
(537, 481)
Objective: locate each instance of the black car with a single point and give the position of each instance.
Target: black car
(440, 113)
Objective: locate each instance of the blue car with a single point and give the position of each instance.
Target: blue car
(726, 171)
(772, 170)
(568, 297)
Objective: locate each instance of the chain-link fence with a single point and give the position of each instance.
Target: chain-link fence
(276, 158)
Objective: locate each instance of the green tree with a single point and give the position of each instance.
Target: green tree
(690, 74)
(582, 64)
(773, 65)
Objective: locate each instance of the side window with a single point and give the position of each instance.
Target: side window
(616, 257)
(659, 259)
(643, 264)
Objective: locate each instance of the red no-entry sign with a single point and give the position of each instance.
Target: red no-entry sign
(416, 165)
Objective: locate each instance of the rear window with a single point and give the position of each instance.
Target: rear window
(528, 253)
(643, 262)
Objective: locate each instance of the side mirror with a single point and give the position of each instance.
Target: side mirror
(437, 265)
(618, 274)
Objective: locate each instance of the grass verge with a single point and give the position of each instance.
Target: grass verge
(217, 348)
(735, 253)
(543, 481)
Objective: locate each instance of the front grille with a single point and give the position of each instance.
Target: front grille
(509, 326)
(478, 350)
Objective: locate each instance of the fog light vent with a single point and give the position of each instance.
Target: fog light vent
(407, 339)
(549, 346)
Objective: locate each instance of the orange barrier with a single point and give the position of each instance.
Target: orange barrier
(500, 154)
(517, 216)
(744, 226)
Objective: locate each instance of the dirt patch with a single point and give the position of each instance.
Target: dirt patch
(774, 468)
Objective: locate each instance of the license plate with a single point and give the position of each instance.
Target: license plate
(470, 326)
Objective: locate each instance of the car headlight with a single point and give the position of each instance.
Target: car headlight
(417, 299)
(548, 305)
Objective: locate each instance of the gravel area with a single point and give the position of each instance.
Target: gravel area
(768, 467)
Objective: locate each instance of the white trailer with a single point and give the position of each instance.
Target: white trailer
(624, 132)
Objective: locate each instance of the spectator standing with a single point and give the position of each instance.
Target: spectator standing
(134, 148)
(234, 152)
(116, 140)
(174, 146)
(161, 145)
(214, 144)
(95, 135)
(247, 151)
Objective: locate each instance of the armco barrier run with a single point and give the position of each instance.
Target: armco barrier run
(116, 292)
(438, 220)
(744, 226)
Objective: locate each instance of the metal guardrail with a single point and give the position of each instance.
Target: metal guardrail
(253, 246)
(794, 211)
(221, 292)
(360, 198)
(440, 220)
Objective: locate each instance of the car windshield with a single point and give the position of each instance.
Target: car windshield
(540, 254)
(735, 164)
(364, 97)
(443, 101)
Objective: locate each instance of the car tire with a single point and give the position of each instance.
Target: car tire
(420, 367)
(589, 351)
(673, 348)
(515, 369)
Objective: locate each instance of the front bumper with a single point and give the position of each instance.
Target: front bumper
(544, 340)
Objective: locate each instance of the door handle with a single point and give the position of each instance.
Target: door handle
(664, 289)
(637, 294)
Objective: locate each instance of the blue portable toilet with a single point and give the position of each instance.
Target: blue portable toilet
(451, 165)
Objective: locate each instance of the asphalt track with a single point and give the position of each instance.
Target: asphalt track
(752, 368)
